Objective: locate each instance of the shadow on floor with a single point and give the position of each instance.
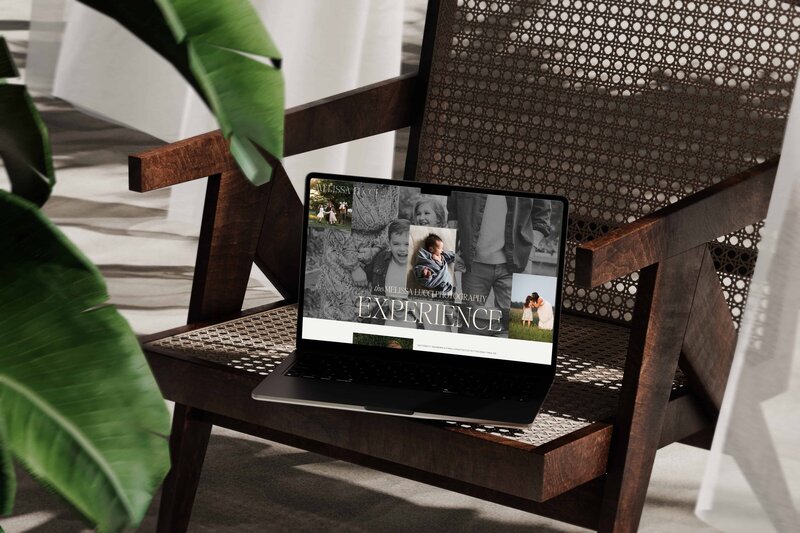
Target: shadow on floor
(255, 486)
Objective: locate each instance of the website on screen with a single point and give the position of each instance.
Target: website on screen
(471, 274)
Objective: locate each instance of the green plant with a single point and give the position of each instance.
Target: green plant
(79, 407)
(222, 49)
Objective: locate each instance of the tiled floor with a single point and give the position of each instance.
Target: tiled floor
(249, 484)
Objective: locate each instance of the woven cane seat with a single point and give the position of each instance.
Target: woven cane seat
(591, 359)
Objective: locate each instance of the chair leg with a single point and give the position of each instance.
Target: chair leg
(660, 318)
(187, 446)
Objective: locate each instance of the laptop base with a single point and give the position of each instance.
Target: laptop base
(279, 387)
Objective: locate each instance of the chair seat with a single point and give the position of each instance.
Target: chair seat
(566, 446)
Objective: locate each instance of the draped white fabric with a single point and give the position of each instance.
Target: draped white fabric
(48, 18)
(328, 48)
(752, 478)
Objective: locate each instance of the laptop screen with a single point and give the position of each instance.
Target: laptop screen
(410, 266)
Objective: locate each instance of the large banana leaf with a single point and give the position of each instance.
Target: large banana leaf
(222, 49)
(8, 481)
(79, 406)
(7, 67)
(24, 144)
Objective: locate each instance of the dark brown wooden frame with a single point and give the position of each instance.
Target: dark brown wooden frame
(596, 477)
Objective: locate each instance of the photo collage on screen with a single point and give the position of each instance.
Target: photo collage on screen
(468, 263)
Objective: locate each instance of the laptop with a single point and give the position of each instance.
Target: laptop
(426, 301)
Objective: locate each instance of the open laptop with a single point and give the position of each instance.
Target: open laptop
(425, 300)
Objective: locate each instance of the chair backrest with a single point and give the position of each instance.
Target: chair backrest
(622, 106)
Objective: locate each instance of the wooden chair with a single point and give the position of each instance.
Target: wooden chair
(660, 121)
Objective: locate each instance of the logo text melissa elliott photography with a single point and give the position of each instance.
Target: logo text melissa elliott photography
(332, 188)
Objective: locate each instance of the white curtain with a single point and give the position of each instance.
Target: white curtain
(48, 18)
(752, 478)
(328, 48)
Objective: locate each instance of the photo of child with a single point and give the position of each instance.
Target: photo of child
(386, 271)
(331, 214)
(338, 254)
(532, 316)
(422, 209)
(431, 268)
(429, 211)
(527, 312)
(431, 262)
(330, 205)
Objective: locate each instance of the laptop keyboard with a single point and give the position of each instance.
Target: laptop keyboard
(432, 378)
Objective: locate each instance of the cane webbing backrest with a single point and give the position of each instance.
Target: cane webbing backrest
(623, 106)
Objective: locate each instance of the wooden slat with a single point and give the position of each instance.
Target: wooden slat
(377, 108)
(588, 447)
(228, 237)
(278, 250)
(579, 506)
(659, 323)
(422, 88)
(727, 206)
(178, 162)
(684, 419)
(710, 339)
(701, 439)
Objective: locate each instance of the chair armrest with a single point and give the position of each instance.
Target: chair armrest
(384, 106)
(701, 217)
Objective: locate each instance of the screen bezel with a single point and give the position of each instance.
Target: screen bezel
(322, 348)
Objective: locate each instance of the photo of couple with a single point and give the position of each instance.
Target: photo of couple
(499, 238)
(532, 316)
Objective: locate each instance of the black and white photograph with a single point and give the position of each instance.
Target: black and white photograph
(370, 259)
(338, 262)
(498, 237)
